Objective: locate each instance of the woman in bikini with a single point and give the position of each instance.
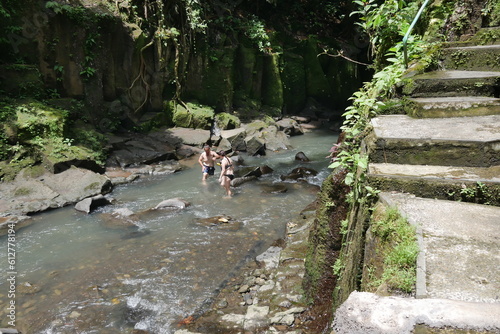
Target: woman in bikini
(227, 173)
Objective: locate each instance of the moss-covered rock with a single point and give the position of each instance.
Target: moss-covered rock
(196, 116)
(38, 120)
(227, 121)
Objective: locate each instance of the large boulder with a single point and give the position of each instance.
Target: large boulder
(193, 137)
(195, 116)
(275, 140)
(27, 194)
(129, 151)
(91, 203)
(255, 145)
(236, 138)
(290, 127)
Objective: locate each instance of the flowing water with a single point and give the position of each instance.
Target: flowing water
(78, 273)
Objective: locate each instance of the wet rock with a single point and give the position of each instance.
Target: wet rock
(120, 219)
(18, 222)
(299, 173)
(300, 156)
(236, 137)
(270, 258)
(290, 127)
(221, 222)
(27, 288)
(173, 203)
(135, 234)
(26, 194)
(241, 180)
(139, 150)
(91, 203)
(255, 145)
(275, 140)
(274, 188)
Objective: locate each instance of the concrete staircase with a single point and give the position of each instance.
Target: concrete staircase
(429, 163)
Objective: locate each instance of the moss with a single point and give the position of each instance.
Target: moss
(226, 121)
(325, 241)
(197, 117)
(22, 191)
(272, 87)
(397, 251)
(35, 119)
(92, 186)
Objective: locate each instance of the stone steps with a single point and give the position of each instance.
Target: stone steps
(454, 83)
(480, 184)
(472, 58)
(432, 107)
(461, 242)
(454, 141)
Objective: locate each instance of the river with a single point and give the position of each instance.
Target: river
(76, 274)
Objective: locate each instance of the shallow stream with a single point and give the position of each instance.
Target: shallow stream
(77, 274)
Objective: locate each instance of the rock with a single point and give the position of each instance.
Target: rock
(174, 203)
(25, 195)
(139, 150)
(225, 145)
(236, 319)
(124, 212)
(184, 151)
(90, 203)
(274, 188)
(236, 182)
(270, 257)
(299, 173)
(18, 222)
(244, 288)
(290, 127)
(275, 140)
(256, 316)
(300, 156)
(221, 222)
(255, 145)
(193, 137)
(27, 288)
(236, 138)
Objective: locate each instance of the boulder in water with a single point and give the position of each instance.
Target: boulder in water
(301, 157)
(89, 204)
(299, 173)
(173, 203)
(277, 188)
(240, 180)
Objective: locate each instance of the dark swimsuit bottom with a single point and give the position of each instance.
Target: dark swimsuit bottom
(209, 170)
(230, 176)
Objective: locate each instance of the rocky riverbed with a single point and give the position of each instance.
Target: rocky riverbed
(266, 296)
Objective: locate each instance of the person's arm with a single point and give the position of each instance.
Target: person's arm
(200, 160)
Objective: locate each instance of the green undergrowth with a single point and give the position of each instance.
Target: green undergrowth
(398, 249)
(33, 131)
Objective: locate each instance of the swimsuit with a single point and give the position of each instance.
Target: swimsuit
(230, 176)
(208, 170)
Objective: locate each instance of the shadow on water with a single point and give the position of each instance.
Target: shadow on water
(82, 273)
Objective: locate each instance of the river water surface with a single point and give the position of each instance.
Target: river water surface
(77, 274)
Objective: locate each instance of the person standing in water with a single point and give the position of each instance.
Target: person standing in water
(207, 161)
(227, 172)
